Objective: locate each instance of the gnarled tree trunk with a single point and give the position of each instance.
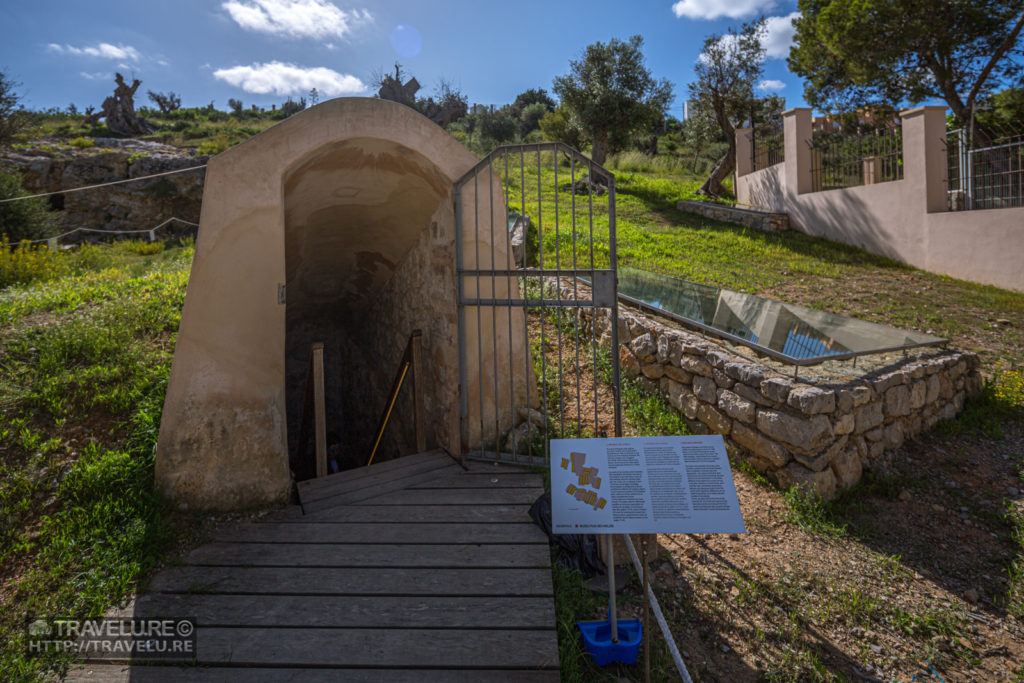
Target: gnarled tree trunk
(599, 151)
(119, 110)
(712, 187)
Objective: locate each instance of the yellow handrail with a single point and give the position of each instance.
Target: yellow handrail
(410, 357)
(387, 415)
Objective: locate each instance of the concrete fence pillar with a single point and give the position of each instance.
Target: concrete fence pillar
(798, 132)
(924, 157)
(872, 170)
(744, 151)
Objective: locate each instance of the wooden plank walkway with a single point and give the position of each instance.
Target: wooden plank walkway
(415, 569)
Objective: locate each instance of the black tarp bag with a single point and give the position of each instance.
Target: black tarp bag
(575, 551)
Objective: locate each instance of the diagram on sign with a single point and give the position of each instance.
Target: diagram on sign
(585, 477)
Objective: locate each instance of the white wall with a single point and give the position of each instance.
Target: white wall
(904, 219)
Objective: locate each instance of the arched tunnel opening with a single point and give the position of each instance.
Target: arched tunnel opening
(369, 250)
(340, 226)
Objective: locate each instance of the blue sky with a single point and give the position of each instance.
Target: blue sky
(262, 51)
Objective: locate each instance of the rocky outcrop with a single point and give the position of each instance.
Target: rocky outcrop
(50, 167)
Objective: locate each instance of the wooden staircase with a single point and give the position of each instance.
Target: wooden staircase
(415, 569)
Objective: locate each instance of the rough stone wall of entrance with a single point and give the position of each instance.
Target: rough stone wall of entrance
(420, 295)
(794, 432)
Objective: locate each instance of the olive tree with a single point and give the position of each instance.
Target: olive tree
(727, 71)
(612, 94)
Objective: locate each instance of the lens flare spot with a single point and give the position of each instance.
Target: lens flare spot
(406, 40)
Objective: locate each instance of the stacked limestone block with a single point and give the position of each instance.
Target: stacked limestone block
(792, 431)
(751, 218)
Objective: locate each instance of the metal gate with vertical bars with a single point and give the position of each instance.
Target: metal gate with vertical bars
(535, 267)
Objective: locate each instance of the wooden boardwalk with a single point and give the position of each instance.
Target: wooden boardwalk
(414, 569)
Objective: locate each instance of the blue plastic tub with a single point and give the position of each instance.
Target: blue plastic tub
(597, 638)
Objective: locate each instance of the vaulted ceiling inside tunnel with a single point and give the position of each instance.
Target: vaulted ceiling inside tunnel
(352, 212)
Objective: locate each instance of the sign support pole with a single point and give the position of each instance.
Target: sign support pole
(647, 617)
(638, 485)
(610, 553)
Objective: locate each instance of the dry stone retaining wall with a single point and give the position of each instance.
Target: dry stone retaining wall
(792, 431)
(751, 218)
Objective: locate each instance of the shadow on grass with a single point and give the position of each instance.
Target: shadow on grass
(661, 198)
(574, 602)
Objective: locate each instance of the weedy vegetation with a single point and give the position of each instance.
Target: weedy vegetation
(85, 350)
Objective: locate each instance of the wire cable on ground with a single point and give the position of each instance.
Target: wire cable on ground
(104, 232)
(656, 608)
(93, 187)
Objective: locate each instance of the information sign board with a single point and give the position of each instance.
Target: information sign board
(668, 484)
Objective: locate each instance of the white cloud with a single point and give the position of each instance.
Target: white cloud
(102, 50)
(728, 42)
(776, 41)
(295, 18)
(287, 79)
(778, 36)
(98, 76)
(713, 9)
(771, 84)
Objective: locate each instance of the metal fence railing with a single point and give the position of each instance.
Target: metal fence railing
(839, 160)
(767, 148)
(988, 177)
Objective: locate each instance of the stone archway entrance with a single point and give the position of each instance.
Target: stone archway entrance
(369, 257)
(340, 216)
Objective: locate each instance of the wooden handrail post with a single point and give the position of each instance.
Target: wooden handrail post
(417, 391)
(319, 408)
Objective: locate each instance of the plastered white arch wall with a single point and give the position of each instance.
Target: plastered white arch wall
(223, 438)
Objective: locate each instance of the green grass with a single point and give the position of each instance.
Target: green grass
(573, 602)
(82, 381)
(647, 413)
(789, 266)
(211, 131)
(638, 162)
(87, 350)
(808, 512)
(1001, 399)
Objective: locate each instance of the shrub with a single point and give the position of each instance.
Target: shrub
(82, 142)
(26, 219)
(28, 263)
(137, 247)
(98, 256)
(637, 162)
(216, 145)
(1008, 386)
(1001, 398)
(561, 125)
